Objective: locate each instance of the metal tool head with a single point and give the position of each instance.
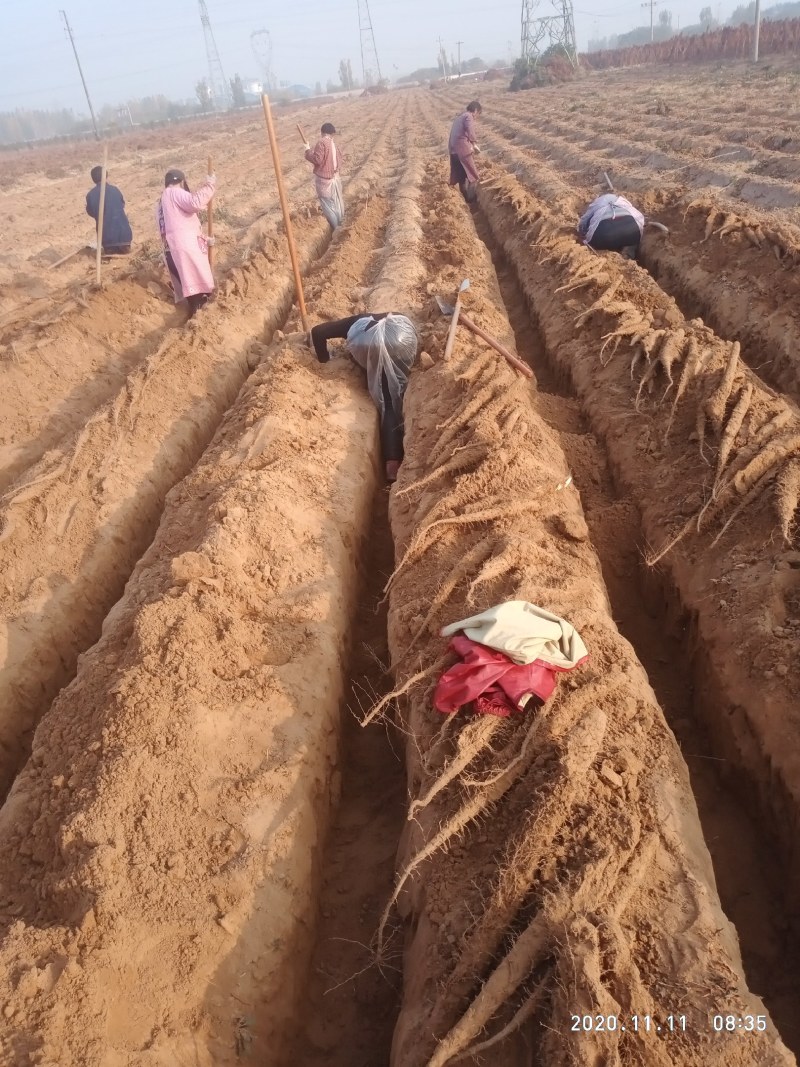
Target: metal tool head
(444, 307)
(464, 286)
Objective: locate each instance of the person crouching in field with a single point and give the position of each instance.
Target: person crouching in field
(462, 149)
(325, 157)
(185, 244)
(117, 234)
(385, 345)
(611, 223)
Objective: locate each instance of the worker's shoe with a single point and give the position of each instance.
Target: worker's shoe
(392, 467)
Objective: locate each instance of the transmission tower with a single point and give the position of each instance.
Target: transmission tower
(548, 24)
(261, 43)
(369, 53)
(217, 82)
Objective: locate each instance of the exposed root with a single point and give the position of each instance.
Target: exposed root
(787, 495)
(715, 404)
(473, 739)
(460, 459)
(711, 222)
(769, 458)
(474, 806)
(421, 540)
(453, 427)
(602, 302)
(732, 428)
(526, 1011)
(763, 436)
(401, 690)
(496, 567)
(669, 352)
(529, 949)
(754, 492)
(466, 566)
(690, 367)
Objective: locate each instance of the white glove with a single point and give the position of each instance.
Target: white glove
(307, 146)
(211, 241)
(211, 178)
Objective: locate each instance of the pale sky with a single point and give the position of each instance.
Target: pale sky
(132, 48)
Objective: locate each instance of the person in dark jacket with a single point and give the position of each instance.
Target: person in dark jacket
(385, 345)
(117, 234)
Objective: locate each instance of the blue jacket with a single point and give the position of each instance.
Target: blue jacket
(116, 228)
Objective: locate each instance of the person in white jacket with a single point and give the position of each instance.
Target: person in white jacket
(611, 223)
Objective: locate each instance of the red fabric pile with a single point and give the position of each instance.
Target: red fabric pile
(492, 681)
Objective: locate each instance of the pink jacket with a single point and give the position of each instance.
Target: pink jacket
(181, 230)
(325, 158)
(462, 135)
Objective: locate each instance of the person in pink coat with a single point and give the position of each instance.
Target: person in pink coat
(185, 244)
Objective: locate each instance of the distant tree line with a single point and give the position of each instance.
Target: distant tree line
(664, 30)
(725, 42)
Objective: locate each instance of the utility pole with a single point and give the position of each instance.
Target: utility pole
(757, 30)
(459, 57)
(651, 4)
(80, 71)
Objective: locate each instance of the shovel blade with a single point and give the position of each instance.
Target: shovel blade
(444, 307)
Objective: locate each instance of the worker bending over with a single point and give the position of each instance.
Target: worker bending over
(385, 345)
(462, 149)
(185, 244)
(117, 234)
(611, 223)
(325, 157)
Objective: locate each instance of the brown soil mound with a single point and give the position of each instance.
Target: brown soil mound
(553, 866)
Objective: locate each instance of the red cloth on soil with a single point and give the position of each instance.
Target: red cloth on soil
(491, 680)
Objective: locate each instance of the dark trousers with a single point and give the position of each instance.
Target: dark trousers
(458, 176)
(612, 235)
(197, 300)
(391, 425)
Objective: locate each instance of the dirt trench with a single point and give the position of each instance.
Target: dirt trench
(215, 691)
(492, 882)
(76, 523)
(733, 580)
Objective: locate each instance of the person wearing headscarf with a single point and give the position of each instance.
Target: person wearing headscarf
(325, 158)
(185, 244)
(385, 345)
(611, 223)
(462, 148)
(117, 234)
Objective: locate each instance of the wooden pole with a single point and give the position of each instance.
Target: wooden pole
(276, 159)
(210, 219)
(101, 214)
(756, 30)
(300, 131)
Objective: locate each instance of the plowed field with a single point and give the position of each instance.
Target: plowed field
(235, 830)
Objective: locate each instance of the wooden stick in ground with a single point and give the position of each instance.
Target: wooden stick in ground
(451, 336)
(210, 218)
(515, 362)
(276, 159)
(69, 255)
(101, 213)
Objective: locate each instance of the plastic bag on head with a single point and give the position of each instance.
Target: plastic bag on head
(386, 347)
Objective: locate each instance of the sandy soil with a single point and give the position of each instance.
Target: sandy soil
(181, 539)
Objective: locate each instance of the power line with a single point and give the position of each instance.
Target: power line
(80, 71)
